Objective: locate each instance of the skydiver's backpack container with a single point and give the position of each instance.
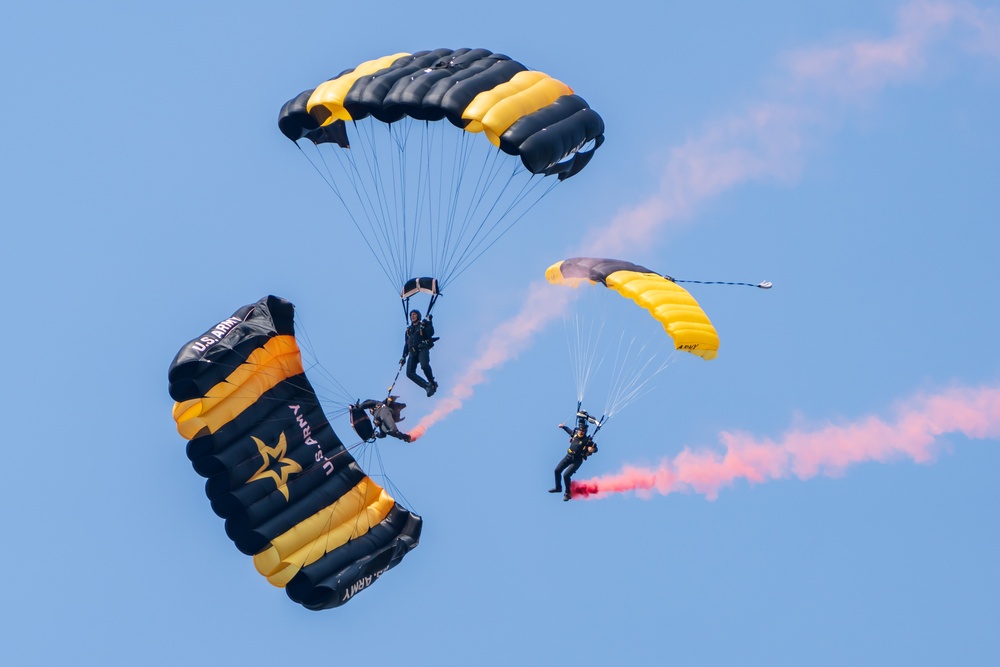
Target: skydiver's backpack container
(361, 423)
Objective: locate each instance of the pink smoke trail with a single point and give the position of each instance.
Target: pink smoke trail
(764, 142)
(914, 432)
(542, 305)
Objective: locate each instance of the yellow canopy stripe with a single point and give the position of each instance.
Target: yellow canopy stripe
(350, 517)
(673, 306)
(493, 111)
(276, 361)
(330, 94)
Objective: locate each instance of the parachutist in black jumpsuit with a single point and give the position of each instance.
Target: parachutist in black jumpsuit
(581, 446)
(419, 339)
(385, 415)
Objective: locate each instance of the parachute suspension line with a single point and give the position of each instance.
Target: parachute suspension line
(397, 207)
(370, 458)
(348, 167)
(421, 175)
(435, 174)
(457, 233)
(634, 379)
(445, 201)
(338, 398)
(489, 174)
(408, 225)
(453, 233)
(525, 192)
(363, 198)
(453, 165)
(583, 351)
(378, 178)
(331, 183)
(370, 204)
(575, 357)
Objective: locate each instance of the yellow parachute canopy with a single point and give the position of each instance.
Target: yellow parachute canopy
(669, 303)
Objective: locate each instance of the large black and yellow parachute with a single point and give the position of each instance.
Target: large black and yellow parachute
(291, 494)
(400, 150)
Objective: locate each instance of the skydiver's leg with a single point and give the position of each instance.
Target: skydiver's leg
(573, 466)
(411, 371)
(388, 423)
(566, 460)
(425, 364)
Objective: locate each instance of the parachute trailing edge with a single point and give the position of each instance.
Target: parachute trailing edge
(291, 494)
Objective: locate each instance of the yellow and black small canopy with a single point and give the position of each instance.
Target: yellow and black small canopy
(669, 303)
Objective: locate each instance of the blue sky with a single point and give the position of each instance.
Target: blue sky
(848, 152)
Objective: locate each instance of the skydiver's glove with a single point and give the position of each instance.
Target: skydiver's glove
(402, 361)
(561, 425)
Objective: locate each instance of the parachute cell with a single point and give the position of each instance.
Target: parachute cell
(291, 494)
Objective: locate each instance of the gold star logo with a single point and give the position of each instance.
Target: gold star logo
(275, 456)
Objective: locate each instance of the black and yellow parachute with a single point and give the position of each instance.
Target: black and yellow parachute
(291, 494)
(421, 189)
(669, 303)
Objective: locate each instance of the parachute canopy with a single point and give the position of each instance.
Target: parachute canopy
(669, 303)
(291, 494)
(522, 112)
(417, 187)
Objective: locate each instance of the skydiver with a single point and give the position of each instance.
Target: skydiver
(417, 343)
(581, 446)
(385, 414)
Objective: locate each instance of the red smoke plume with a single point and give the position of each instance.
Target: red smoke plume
(914, 433)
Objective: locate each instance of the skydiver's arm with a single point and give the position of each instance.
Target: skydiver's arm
(427, 329)
(368, 404)
(566, 428)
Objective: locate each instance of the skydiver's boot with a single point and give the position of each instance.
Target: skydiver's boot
(567, 496)
(405, 437)
(432, 387)
(558, 489)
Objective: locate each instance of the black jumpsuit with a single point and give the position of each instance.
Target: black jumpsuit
(385, 418)
(419, 339)
(574, 458)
